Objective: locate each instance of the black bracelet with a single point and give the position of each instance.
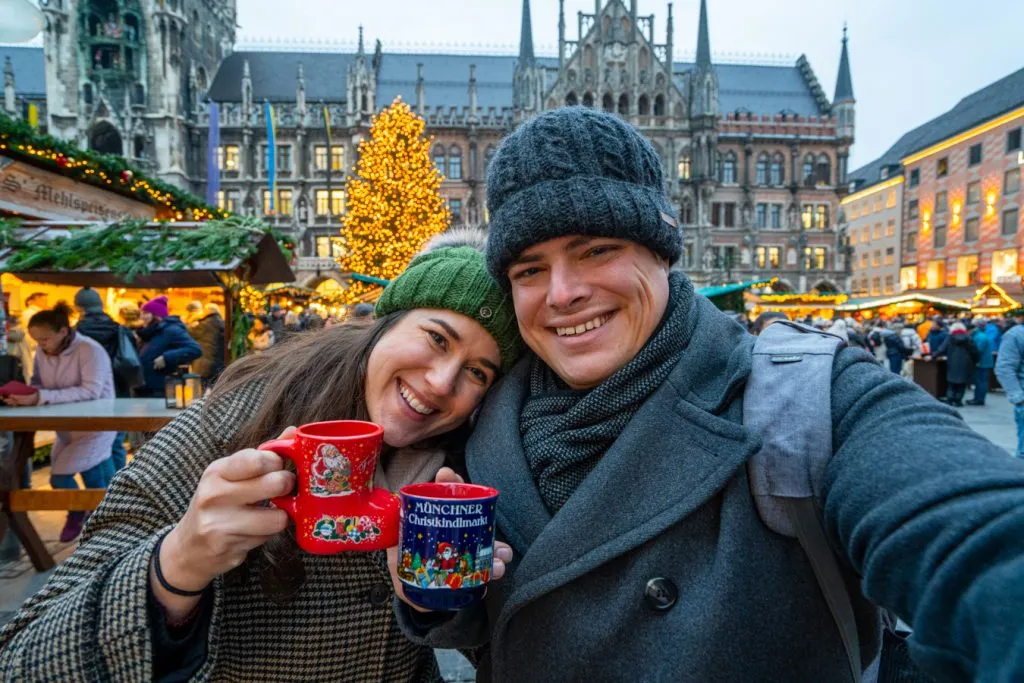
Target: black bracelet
(163, 581)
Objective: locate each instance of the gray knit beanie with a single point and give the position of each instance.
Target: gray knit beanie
(89, 300)
(576, 171)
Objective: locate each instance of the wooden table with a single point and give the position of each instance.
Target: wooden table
(102, 415)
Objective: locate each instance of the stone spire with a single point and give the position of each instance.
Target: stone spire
(472, 92)
(362, 50)
(300, 93)
(669, 32)
(526, 56)
(561, 34)
(246, 89)
(703, 39)
(844, 82)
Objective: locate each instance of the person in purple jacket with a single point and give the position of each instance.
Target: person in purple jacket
(71, 367)
(166, 345)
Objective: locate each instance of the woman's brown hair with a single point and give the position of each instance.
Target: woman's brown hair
(314, 376)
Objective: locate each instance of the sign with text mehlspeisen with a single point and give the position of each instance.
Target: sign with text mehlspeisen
(446, 544)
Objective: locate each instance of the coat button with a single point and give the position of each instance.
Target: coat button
(380, 594)
(661, 594)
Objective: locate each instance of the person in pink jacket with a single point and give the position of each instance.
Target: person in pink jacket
(70, 367)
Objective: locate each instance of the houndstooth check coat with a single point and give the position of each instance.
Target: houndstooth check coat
(90, 622)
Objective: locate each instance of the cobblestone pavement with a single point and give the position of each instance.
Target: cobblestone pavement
(18, 580)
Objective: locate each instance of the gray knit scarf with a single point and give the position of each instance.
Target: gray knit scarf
(565, 432)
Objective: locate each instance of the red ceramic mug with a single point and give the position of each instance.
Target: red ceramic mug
(337, 508)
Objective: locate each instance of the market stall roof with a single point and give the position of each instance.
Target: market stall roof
(881, 301)
(266, 264)
(721, 290)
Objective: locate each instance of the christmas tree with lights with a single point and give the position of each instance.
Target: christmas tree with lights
(393, 201)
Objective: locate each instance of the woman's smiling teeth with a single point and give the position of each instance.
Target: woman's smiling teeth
(580, 329)
(414, 402)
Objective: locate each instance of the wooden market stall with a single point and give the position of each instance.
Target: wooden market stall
(731, 297)
(797, 305)
(213, 262)
(912, 305)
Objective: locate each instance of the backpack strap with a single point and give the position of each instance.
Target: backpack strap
(788, 403)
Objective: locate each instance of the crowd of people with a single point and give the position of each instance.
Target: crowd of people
(571, 368)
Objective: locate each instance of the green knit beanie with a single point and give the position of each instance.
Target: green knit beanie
(456, 279)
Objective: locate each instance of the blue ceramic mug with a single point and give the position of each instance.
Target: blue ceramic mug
(446, 543)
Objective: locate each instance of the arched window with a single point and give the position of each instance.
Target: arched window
(588, 99)
(659, 105)
(488, 157)
(440, 160)
(625, 28)
(607, 103)
(197, 27)
(624, 104)
(606, 25)
(778, 176)
(685, 167)
(455, 163)
(588, 58)
(643, 106)
(761, 176)
(729, 169)
(659, 80)
(87, 93)
(570, 100)
(823, 170)
(201, 78)
(644, 59)
(808, 170)
(686, 212)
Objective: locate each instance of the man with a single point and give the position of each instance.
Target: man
(937, 335)
(620, 454)
(94, 323)
(986, 360)
(35, 302)
(1010, 372)
(208, 331)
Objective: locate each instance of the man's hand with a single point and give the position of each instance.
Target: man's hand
(159, 363)
(502, 551)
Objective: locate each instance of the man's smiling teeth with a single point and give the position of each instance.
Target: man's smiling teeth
(413, 401)
(580, 329)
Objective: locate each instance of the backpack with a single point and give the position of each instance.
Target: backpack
(125, 361)
(788, 402)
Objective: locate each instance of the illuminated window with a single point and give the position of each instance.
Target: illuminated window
(942, 167)
(323, 246)
(865, 234)
(890, 256)
(773, 257)
(227, 157)
(284, 202)
(889, 284)
(853, 237)
(966, 270)
(877, 232)
(323, 205)
(821, 217)
(337, 158)
(972, 229)
(1004, 265)
(337, 202)
(876, 258)
(908, 278)
(761, 257)
(320, 158)
(267, 208)
(936, 274)
(333, 204)
(685, 167)
(876, 286)
(890, 200)
(227, 200)
(863, 260)
(890, 228)
(807, 216)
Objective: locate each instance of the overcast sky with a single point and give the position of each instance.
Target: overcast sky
(911, 59)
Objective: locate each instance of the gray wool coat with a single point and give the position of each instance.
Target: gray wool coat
(927, 516)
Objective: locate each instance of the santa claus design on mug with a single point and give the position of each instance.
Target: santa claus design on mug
(329, 474)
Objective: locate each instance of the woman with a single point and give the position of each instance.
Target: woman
(166, 345)
(961, 355)
(261, 336)
(268, 612)
(70, 367)
(19, 346)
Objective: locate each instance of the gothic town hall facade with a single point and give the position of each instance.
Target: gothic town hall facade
(755, 155)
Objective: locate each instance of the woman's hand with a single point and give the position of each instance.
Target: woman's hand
(223, 523)
(22, 400)
(502, 551)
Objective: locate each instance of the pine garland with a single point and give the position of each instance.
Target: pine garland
(19, 140)
(130, 250)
